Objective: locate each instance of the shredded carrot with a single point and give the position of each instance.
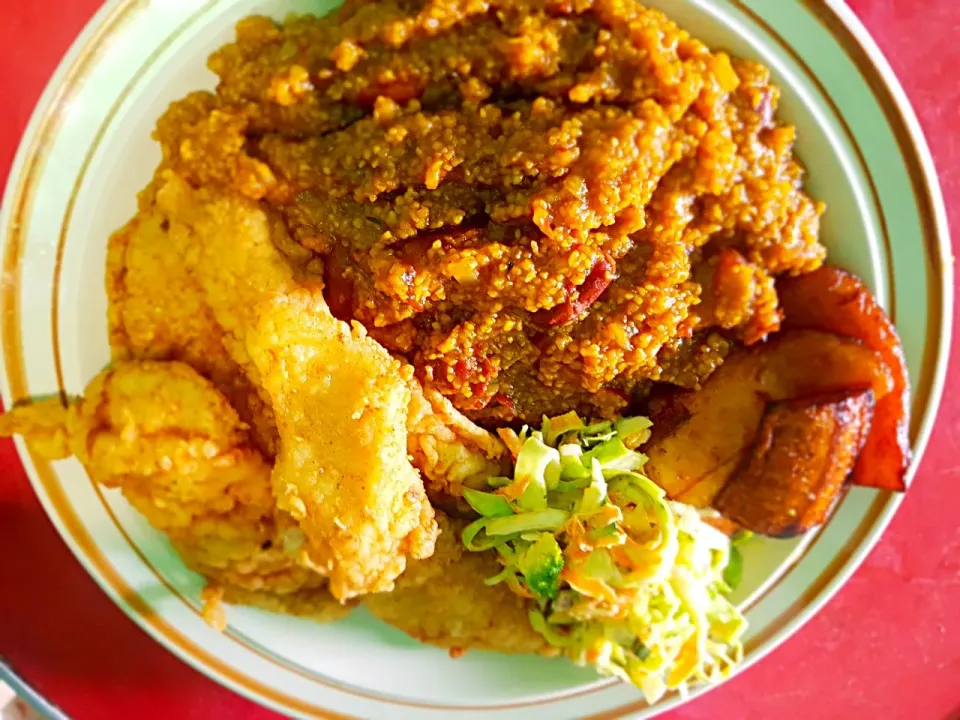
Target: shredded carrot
(578, 551)
(566, 422)
(511, 440)
(574, 526)
(632, 555)
(607, 514)
(589, 586)
(685, 664)
(612, 541)
(514, 490)
(577, 544)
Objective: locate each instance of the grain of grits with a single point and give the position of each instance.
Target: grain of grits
(544, 205)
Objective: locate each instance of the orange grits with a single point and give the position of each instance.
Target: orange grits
(544, 206)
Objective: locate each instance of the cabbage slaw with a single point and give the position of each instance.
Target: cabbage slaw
(618, 576)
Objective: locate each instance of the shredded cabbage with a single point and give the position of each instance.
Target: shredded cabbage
(621, 577)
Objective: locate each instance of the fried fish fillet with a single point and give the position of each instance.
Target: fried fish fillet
(444, 601)
(236, 261)
(360, 528)
(232, 256)
(176, 449)
(341, 405)
(157, 310)
(225, 258)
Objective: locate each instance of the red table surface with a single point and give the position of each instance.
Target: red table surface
(888, 646)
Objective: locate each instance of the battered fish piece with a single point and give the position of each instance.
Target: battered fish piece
(158, 310)
(443, 601)
(185, 278)
(341, 405)
(176, 449)
(233, 257)
(315, 604)
(239, 268)
(228, 257)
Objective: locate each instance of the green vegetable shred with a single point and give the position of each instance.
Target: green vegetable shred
(617, 575)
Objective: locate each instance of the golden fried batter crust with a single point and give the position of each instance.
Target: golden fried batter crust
(341, 407)
(443, 601)
(158, 309)
(168, 439)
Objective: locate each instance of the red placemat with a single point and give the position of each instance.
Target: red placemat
(888, 646)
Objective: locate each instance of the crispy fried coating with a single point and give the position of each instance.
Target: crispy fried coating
(158, 309)
(236, 262)
(449, 449)
(184, 280)
(444, 601)
(177, 450)
(43, 424)
(341, 407)
(311, 603)
(233, 257)
(196, 276)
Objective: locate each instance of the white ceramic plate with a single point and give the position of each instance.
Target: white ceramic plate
(88, 150)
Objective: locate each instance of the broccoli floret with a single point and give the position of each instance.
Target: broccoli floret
(541, 565)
